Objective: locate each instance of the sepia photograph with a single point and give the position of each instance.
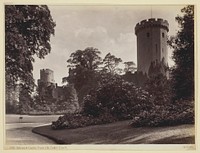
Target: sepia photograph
(99, 75)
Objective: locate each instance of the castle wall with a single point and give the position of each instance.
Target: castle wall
(151, 43)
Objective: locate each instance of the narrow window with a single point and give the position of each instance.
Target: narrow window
(156, 49)
(148, 34)
(163, 35)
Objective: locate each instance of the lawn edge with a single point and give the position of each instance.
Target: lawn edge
(36, 131)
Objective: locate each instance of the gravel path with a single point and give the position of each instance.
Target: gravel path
(24, 136)
(20, 132)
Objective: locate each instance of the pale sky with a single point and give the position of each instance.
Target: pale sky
(107, 28)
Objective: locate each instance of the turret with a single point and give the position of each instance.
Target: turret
(151, 43)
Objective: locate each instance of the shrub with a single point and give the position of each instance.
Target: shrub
(116, 97)
(160, 88)
(181, 112)
(72, 121)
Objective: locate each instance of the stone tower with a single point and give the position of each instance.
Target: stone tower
(46, 77)
(46, 81)
(151, 43)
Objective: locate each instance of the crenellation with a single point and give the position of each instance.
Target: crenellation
(152, 22)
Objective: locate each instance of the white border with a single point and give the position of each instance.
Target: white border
(100, 148)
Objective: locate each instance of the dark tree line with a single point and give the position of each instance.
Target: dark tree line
(183, 55)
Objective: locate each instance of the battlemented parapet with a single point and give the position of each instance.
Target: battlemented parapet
(153, 22)
(151, 43)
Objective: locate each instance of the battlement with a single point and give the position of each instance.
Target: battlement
(152, 22)
(46, 71)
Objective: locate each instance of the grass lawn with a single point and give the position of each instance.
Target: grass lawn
(14, 118)
(120, 133)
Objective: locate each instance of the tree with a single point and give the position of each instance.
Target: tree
(24, 100)
(183, 55)
(88, 59)
(71, 99)
(110, 63)
(83, 67)
(27, 33)
(129, 67)
(83, 64)
(159, 88)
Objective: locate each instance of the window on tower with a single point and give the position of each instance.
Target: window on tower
(148, 34)
(156, 49)
(163, 35)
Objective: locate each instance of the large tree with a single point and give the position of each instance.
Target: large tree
(183, 55)
(27, 33)
(84, 65)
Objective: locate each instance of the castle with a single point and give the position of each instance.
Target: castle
(152, 45)
(47, 80)
(152, 56)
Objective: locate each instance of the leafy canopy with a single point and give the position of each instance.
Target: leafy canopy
(27, 33)
(183, 55)
(129, 66)
(111, 62)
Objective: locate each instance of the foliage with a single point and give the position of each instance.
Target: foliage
(12, 108)
(183, 55)
(45, 102)
(88, 58)
(129, 67)
(163, 111)
(110, 63)
(158, 68)
(70, 101)
(159, 87)
(72, 121)
(27, 33)
(113, 100)
(181, 112)
(24, 100)
(116, 97)
(12, 94)
(83, 66)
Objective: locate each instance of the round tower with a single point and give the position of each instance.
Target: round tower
(151, 43)
(46, 76)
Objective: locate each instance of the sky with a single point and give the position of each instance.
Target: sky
(108, 28)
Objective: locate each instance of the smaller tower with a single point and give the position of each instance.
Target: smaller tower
(46, 82)
(46, 77)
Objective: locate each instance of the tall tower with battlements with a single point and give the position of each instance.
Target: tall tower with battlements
(151, 43)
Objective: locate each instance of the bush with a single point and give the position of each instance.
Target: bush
(181, 112)
(12, 108)
(72, 121)
(116, 97)
(113, 100)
